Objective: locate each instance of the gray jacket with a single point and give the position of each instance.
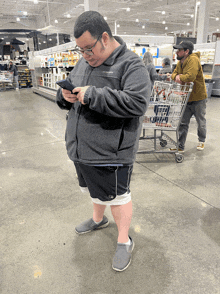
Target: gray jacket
(154, 75)
(106, 129)
(166, 69)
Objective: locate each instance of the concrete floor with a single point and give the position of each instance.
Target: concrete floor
(176, 212)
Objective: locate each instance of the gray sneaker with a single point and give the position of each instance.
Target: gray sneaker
(122, 258)
(89, 225)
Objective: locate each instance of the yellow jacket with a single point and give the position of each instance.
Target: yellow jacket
(191, 71)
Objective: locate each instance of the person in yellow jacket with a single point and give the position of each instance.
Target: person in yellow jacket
(189, 69)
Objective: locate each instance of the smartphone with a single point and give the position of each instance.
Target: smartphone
(65, 84)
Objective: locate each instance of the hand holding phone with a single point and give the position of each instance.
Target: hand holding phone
(65, 84)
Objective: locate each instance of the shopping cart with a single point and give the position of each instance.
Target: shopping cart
(6, 80)
(167, 105)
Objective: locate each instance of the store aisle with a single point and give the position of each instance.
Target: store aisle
(175, 226)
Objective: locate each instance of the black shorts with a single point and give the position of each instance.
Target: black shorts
(104, 182)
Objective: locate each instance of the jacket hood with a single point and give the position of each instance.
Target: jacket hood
(197, 54)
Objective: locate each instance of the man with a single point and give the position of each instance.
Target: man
(13, 69)
(104, 123)
(189, 69)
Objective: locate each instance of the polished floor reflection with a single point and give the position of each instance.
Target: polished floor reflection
(176, 212)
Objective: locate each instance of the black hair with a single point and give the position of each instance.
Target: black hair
(93, 22)
(190, 51)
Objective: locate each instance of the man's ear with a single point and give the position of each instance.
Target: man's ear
(105, 38)
(187, 51)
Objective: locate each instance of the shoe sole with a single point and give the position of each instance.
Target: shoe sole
(121, 270)
(101, 227)
(176, 151)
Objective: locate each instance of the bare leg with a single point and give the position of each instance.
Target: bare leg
(98, 212)
(122, 215)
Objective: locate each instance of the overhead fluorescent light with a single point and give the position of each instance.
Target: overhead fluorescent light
(45, 28)
(18, 18)
(35, 1)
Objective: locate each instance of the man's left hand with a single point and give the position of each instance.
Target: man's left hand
(81, 92)
(177, 79)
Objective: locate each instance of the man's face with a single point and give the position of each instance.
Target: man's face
(86, 41)
(180, 54)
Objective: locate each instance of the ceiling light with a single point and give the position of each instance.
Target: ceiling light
(163, 12)
(143, 27)
(217, 30)
(198, 3)
(68, 15)
(128, 9)
(44, 41)
(217, 18)
(45, 28)
(118, 25)
(35, 1)
(39, 43)
(18, 19)
(24, 12)
(166, 28)
(105, 18)
(137, 20)
(56, 21)
(192, 15)
(50, 39)
(188, 23)
(163, 22)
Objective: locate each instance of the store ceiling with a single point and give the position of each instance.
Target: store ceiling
(148, 12)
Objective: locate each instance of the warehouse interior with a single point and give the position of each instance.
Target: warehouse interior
(176, 207)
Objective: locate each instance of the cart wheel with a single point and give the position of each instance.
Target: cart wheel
(163, 143)
(179, 158)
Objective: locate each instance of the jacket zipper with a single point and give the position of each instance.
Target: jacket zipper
(80, 108)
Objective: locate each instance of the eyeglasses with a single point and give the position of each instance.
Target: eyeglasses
(87, 51)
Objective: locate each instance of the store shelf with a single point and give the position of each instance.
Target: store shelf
(51, 65)
(46, 92)
(24, 76)
(210, 58)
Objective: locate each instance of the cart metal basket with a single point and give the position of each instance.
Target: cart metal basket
(167, 105)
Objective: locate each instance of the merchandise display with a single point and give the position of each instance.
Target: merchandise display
(52, 65)
(210, 60)
(24, 76)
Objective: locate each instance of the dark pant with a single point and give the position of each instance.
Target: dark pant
(198, 109)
